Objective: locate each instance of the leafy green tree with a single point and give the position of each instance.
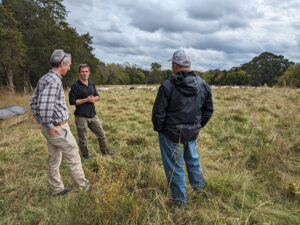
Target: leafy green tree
(39, 22)
(139, 77)
(208, 76)
(80, 48)
(155, 76)
(239, 77)
(135, 73)
(123, 77)
(291, 77)
(11, 46)
(213, 77)
(165, 74)
(265, 68)
(117, 75)
(42, 23)
(147, 75)
(103, 73)
(155, 66)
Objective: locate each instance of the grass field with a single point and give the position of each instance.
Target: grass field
(249, 151)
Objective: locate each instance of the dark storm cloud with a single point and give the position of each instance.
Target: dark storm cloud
(152, 17)
(200, 16)
(152, 21)
(113, 40)
(216, 10)
(222, 45)
(228, 13)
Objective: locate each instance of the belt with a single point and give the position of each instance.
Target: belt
(60, 124)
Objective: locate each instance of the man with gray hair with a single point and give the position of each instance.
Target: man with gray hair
(182, 107)
(49, 108)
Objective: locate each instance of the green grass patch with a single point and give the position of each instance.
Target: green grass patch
(249, 152)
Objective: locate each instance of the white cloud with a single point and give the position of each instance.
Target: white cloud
(217, 34)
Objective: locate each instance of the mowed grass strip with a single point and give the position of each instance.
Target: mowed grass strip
(249, 151)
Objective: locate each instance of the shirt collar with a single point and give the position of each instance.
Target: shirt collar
(57, 74)
(79, 81)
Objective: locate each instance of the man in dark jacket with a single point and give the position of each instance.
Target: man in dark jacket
(83, 94)
(182, 107)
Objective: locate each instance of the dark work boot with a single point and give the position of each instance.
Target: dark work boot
(103, 147)
(86, 156)
(63, 192)
(84, 151)
(201, 191)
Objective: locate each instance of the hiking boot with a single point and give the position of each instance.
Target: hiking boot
(174, 203)
(107, 152)
(86, 156)
(63, 192)
(201, 191)
(84, 150)
(103, 147)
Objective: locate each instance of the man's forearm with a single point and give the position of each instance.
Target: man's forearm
(81, 101)
(88, 99)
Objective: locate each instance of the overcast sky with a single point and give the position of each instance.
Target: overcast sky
(217, 34)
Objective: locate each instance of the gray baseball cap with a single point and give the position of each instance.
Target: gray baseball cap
(181, 58)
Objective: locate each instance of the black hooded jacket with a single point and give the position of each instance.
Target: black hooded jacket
(183, 105)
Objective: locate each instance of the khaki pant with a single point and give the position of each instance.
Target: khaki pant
(64, 145)
(95, 126)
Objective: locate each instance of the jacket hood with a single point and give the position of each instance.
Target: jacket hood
(187, 82)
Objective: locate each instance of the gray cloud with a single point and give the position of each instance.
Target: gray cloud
(217, 34)
(150, 19)
(113, 40)
(216, 10)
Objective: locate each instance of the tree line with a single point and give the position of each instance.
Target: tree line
(265, 69)
(31, 29)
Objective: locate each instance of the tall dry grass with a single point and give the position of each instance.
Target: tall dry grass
(249, 151)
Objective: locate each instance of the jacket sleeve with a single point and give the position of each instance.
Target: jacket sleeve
(207, 108)
(159, 109)
(73, 95)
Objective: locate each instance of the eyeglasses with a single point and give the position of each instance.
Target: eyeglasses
(65, 55)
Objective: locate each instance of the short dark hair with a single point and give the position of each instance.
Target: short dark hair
(83, 66)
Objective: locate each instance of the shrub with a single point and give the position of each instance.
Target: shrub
(291, 77)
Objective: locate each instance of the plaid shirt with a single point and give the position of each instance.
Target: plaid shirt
(48, 103)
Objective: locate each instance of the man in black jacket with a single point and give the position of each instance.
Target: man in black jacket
(182, 107)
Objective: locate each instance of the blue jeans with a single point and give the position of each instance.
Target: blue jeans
(175, 153)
